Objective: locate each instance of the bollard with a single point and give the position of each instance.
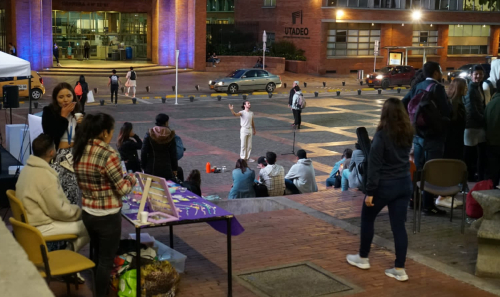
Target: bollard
(148, 88)
(123, 89)
(284, 85)
(197, 87)
(338, 93)
(95, 90)
(219, 98)
(191, 99)
(244, 97)
(163, 100)
(316, 94)
(102, 102)
(173, 88)
(379, 91)
(360, 82)
(399, 90)
(134, 100)
(359, 92)
(305, 85)
(343, 83)
(324, 84)
(35, 104)
(270, 95)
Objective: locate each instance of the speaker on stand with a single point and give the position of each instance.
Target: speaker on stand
(10, 98)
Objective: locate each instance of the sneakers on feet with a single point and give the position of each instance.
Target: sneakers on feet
(434, 211)
(251, 160)
(356, 260)
(399, 274)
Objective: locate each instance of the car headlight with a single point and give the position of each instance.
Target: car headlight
(463, 74)
(449, 73)
(367, 76)
(209, 82)
(221, 83)
(380, 76)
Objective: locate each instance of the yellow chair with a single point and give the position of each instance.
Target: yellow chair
(50, 264)
(19, 214)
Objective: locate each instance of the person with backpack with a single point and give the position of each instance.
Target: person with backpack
(388, 184)
(290, 98)
(114, 82)
(429, 108)
(131, 81)
(298, 103)
(81, 91)
(490, 85)
(475, 134)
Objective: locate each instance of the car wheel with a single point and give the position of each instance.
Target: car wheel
(270, 87)
(385, 84)
(36, 94)
(232, 89)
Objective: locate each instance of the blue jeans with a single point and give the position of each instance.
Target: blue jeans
(330, 182)
(291, 186)
(395, 193)
(426, 150)
(344, 183)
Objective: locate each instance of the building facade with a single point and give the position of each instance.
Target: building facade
(339, 36)
(153, 29)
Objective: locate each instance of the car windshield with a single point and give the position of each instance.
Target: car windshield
(385, 70)
(236, 74)
(466, 67)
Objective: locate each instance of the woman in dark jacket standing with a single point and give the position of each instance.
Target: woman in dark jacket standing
(454, 145)
(475, 134)
(159, 152)
(388, 183)
(128, 143)
(85, 90)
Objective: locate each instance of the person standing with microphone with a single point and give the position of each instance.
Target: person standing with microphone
(247, 129)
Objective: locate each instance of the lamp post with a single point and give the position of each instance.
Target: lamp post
(264, 39)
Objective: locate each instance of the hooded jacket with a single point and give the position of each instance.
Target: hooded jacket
(39, 189)
(159, 152)
(295, 100)
(273, 176)
(474, 106)
(494, 78)
(303, 176)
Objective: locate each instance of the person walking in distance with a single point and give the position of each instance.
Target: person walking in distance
(114, 82)
(290, 98)
(81, 91)
(131, 81)
(86, 48)
(55, 52)
(247, 129)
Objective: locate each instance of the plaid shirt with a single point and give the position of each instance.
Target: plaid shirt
(101, 178)
(276, 183)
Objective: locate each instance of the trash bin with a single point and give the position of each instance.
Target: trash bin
(129, 53)
(361, 74)
(115, 56)
(123, 54)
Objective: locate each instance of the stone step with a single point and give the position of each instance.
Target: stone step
(90, 73)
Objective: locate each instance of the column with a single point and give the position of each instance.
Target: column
(385, 40)
(197, 34)
(36, 34)
(47, 39)
(22, 28)
(182, 31)
(443, 31)
(494, 40)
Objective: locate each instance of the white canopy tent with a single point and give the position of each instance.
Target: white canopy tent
(11, 66)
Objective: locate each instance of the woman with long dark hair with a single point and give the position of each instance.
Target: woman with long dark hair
(60, 122)
(100, 176)
(82, 99)
(454, 144)
(243, 179)
(193, 182)
(128, 143)
(388, 183)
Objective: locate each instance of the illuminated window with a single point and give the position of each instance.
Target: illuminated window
(269, 3)
(352, 39)
(468, 39)
(424, 35)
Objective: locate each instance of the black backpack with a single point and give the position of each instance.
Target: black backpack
(132, 75)
(493, 90)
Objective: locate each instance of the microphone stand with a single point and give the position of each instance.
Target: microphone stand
(293, 144)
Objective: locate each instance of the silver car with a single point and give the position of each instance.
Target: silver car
(246, 80)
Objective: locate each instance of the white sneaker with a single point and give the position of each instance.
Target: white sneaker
(356, 260)
(446, 202)
(399, 274)
(251, 160)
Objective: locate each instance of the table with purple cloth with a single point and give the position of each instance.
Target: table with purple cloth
(192, 209)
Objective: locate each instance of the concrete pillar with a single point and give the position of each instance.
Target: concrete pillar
(36, 34)
(182, 31)
(494, 40)
(47, 39)
(385, 40)
(443, 31)
(198, 34)
(149, 35)
(22, 28)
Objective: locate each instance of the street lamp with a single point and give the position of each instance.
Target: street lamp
(264, 39)
(340, 13)
(416, 15)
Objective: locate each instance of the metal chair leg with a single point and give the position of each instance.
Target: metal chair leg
(415, 198)
(451, 211)
(463, 213)
(67, 287)
(421, 194)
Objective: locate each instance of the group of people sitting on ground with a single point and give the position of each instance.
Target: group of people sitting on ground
(345, 173)
(272, 180)
(213, 59)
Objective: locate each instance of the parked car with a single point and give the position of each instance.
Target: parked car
(391, 75)
(37, 87)
(246, 80)
(465, 71)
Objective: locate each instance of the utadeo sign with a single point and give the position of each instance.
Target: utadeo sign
(295, 31)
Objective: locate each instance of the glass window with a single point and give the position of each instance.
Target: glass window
(468, 50)
(421, 37)
(485, 30)
(469, 30)
(251, 73)
(269, 3)
(331, 3)
(356, 41)
(363, 3)
(352, 3)
(262, 73)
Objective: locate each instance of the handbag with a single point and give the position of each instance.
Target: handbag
(338, 180)
(260, 190)
(90, 97)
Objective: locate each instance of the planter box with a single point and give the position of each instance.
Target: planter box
(296, 66)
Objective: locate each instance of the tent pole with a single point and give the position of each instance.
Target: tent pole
(29, 91)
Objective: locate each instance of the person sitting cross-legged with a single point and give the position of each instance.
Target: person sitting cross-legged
(47, 207)
(273, 176)
(301, 178)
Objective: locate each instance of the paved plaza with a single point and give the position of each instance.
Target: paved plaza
(319, 228)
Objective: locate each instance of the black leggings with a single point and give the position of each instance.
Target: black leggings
(475, 159)
(297, 115)
(114, 90)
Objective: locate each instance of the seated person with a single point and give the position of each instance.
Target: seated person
(259, 63)
(273, 176)
(243, 179)
(193, 182)
(330, 181)
(47, 207)
(301, 178)
(354, 177)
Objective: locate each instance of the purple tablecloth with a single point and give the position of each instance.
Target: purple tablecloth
(194, 208)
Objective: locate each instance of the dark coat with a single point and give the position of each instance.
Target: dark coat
(128, 153)
(474, 106)
(159, 153)
(290, 98)
(54, 124)
(85, 90)
(454, 145)
(194, 188)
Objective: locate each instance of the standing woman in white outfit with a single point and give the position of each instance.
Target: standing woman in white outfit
(131, 81)
(247, 129)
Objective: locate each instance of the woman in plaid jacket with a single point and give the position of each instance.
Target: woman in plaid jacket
(102, 181)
